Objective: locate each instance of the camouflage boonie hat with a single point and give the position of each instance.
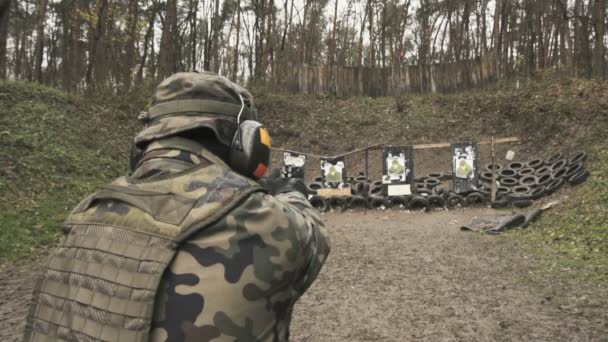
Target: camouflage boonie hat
(189, 100)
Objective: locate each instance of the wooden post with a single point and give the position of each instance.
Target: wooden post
(367, 163)
(493, 187)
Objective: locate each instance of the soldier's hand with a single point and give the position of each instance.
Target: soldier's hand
(275, 184)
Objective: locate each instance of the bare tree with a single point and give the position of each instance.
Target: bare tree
(5, 6)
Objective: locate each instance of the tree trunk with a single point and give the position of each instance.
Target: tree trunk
(5, 8)
(215, 33)
(372, 56)
(599, 52)
(147, 41)
(131, 43)
(98, 64)
(235, 67)
(167, 55)
(39, 49)
(538, 28)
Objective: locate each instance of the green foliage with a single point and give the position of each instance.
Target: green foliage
(55, 149)
(578, 230)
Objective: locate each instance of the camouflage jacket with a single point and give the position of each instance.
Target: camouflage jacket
(238, 279)
(184, 250)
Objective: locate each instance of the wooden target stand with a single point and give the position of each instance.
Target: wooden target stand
(347, 191)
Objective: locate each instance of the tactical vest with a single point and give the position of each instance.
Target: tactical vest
(101, 282)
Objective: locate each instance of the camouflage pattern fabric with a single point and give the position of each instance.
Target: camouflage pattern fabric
(190, 100)
(231, 269)
(239, 279)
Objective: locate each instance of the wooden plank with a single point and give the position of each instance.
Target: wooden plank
(416, 147)
(483, 142)
(334, 192)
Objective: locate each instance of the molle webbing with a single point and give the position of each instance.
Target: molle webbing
(100, 286)
(101, 282)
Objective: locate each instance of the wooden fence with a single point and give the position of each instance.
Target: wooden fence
(376, 82)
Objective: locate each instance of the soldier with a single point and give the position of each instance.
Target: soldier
(185, 248)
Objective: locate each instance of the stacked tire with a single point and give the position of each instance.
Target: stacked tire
(519, 183)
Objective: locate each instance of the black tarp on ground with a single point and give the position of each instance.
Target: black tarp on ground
(500, 223)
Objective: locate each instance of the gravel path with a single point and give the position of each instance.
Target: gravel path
(396, 276)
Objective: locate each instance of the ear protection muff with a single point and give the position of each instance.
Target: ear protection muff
(250, 149)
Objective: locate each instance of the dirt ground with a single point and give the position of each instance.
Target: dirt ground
(395, 276)
(399, 276)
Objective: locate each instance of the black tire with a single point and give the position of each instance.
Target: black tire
(337, 203)
(455, 201)
(500, 203)
(418, 203)
(526, 171)
(521, 189)
(486, 192)
(523, 203)
(436, 201)
(508, 173)
(528, 181)
(515, 165)
(402, 202)
(376, 190)
(475, 198)
(349, 199)
(543, 180)
(574, 169)
(438, 191)
(579, 157)
(320, 203)
(486, 176)
(360, 179)
(560, 173)
(508, 181)
(315, 185)
(543, 170)
(418, 186)
(535, 163)
(431, 182)
(419, 179)
(362, 189)
(579, 177)
(554, 158)
(502, 188)
(376, 183)
(318, 179)
(537, 193)
(512, 197)
(558, 165)
(424, 192)
(379, 203)
(359, 202)
(312, 187)
(491, 167)
(502, 191)
(555, 185)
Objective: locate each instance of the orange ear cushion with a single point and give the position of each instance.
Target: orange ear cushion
(260, 171)
(265, 137)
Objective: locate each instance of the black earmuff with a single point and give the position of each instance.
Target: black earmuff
(250, 149)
